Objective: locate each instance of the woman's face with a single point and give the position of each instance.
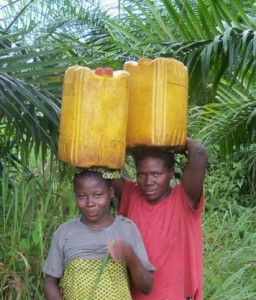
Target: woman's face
(93, 198)
(153, 178)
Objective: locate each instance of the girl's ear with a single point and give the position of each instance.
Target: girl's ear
(111, 190)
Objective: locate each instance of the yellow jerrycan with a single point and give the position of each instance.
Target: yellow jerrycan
(157, 114)
(93, 119)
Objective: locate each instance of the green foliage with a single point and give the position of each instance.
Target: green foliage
(229, 253)
(225, 186)
(229, 233)
(40, 39)
(30, 210)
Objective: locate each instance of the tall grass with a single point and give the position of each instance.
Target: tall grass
(30, 210)
(229, 224)
(230, 254)
(32, 207)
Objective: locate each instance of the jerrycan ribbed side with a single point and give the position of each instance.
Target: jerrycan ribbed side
(157, 114)
(94, 117)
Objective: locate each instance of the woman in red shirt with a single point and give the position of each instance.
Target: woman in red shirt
(169, 219)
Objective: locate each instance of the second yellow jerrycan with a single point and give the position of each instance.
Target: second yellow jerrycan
(94, 117)
(157, 102)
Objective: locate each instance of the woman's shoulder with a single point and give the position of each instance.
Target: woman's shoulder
(130, 182)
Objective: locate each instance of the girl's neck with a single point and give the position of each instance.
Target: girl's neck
(106, 222)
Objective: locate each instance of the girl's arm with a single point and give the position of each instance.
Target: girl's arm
(51, 288)
(141, 277)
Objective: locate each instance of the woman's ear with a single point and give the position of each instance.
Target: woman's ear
(171, 172)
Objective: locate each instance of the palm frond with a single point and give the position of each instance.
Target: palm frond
(230, 122)
(29, 117)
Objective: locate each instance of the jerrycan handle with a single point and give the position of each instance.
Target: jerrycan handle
(144, 61)
(108, 72)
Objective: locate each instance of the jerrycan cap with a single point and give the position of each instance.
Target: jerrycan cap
(104, 71)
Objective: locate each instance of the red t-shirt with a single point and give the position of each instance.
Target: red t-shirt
(172, 234)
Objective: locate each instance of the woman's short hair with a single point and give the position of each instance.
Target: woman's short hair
(166, 155)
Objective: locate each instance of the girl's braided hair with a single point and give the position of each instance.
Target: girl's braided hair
(90, 173)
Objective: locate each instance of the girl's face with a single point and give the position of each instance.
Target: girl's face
(153, 178)
(93, 198)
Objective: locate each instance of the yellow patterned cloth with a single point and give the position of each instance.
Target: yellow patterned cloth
(105, 172)
(83, 280)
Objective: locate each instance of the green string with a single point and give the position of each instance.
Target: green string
(97, 280)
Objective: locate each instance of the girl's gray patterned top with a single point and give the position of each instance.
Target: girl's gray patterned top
(74, 239)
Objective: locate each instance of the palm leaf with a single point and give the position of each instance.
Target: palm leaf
(28, 115)
(230, 122)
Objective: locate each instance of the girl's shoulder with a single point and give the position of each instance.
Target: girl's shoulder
(68, 226)
(124, 222)
(122, 219)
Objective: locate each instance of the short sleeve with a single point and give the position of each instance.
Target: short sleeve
(54, 264)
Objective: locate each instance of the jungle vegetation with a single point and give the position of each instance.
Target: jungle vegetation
(40, 39)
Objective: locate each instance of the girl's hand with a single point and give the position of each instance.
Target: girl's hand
(119, 250)
(142, 279)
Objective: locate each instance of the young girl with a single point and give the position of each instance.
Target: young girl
(77, 266)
